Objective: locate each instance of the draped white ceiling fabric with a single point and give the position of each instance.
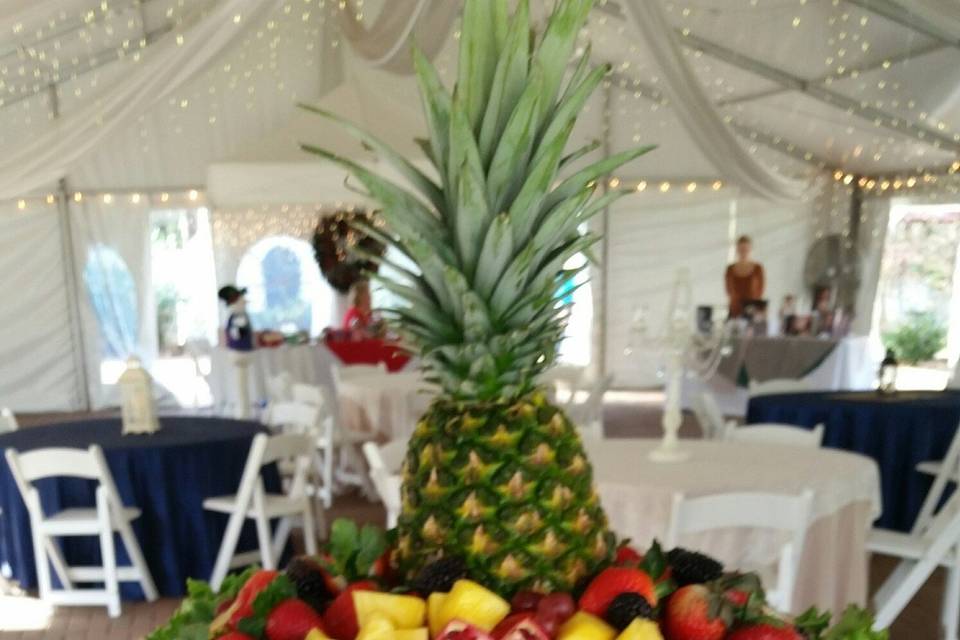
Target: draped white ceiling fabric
(387, 42)
(698, 114)
(167, 65)
(945, 13)
(14, 13)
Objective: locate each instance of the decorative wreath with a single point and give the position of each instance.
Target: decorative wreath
(335, 243)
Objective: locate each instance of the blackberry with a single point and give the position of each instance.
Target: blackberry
(690, 567)
(311, 582)
(626, 608)
(439, 576)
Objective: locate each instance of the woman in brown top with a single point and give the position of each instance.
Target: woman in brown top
(744, 278)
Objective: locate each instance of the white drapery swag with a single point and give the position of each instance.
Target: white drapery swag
(700, 117)
(165, 66)
(944, 13)
(387, 43)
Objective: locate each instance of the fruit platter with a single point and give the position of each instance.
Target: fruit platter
(352, 592)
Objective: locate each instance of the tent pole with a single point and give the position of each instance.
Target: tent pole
(601, 313)
(71, 280)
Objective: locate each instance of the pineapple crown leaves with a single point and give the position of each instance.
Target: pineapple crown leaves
(493, 225)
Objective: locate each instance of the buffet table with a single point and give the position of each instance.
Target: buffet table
(897, 431)
(166, 475)
(637, 496)
(823, 364)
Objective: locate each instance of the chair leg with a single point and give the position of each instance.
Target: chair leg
(281, 536)
(267, 560)
(109, 556)
(41, 546)
(59, 564)
(227, 548)
(309, 532)
(950, 610)
(137, 560)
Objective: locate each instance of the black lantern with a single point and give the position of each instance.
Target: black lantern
(887, 376)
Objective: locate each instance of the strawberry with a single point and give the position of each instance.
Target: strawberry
(765, 631)
(520, 626)
(292, 620)
(340, 619)
(627, 556)
(235, 635)
(695, 613)
(610, 583)
(243, 605)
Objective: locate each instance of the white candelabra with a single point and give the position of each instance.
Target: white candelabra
(684, 349)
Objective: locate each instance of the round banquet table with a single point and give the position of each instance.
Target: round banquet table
(897, 431)
(167, 475)
(637, 495)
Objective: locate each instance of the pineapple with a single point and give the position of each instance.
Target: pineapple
(494, 473)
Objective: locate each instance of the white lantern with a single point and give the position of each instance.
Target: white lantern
(138, 409)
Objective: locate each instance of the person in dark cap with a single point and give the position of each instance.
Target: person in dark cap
(239, 333)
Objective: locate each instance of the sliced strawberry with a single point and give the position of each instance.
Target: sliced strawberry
(459, 630)
(340, 618)
(520, 626)
(610, 583)
(765, 631)
(292, 620)
(243, 605)
(695, 613)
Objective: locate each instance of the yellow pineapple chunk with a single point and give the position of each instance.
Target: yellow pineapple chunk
(473, 604)
(376, 627)
(641, 629)
(583, 626)
(316, 634)
(435, 611)
(403, 612)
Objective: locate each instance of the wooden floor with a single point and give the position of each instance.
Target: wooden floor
(626, 415)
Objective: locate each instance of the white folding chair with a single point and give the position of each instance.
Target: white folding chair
(347, 380)
(108, 516)
(776, 512)
(779, 385)
(309, 419)
(562, 382)
(921, 552)
(944, 471)
(8, 421)
(344, 444)
(712, 423)
(279, 387)
(770, 433)
(252, 502)
(386, 483)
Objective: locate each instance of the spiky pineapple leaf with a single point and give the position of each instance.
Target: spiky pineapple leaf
(478, 58)
(437, 105)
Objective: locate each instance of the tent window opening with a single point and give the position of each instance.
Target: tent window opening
(113, 296)
(575, 349)
(285, 291)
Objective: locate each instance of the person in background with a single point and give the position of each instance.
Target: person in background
(359, 316)
(744, 278)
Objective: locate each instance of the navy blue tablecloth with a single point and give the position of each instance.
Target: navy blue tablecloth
(166, 475)
(897, 431)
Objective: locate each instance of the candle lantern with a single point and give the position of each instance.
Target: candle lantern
(887, 376)
(138, 410)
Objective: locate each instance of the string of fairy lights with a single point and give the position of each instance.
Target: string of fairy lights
(862, 143)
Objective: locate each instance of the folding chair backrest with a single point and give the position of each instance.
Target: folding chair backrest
(768, 511)
(8, 422)
(280, 387)
(312, 394)
(778, 385)
(287, 446)
(781, 434)
(385, 480)
(295, 417)
(89, 464)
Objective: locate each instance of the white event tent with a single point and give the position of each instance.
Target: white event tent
(150, 145)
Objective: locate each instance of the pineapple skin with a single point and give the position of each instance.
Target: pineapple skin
(508, 487)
